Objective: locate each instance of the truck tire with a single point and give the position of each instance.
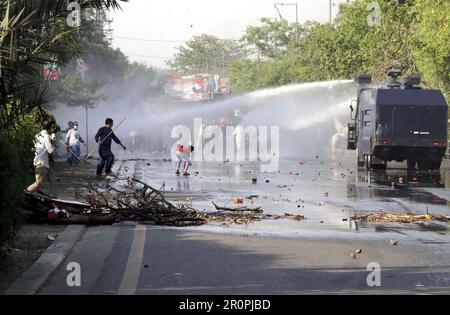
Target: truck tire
(411, 164)
(359, 159)
(367, 163)
(429, 166)
(376, 163)
(435, 166)
(360, 162)
(379, 167)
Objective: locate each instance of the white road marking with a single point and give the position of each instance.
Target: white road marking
(132, 272)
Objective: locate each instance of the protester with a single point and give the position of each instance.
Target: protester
(104, 138)
(183, 154)
(65, 131)
(73, 140)
(44, 146)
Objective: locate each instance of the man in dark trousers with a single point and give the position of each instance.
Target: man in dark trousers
(104, 137)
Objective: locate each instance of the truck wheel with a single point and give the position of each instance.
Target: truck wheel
(367, 163)
(379, 167)
(411, 164)
(360, 159)
(435, 166)
(438, 165)
(376, 163)
(423, 166)
(429, 166)
(360, 162)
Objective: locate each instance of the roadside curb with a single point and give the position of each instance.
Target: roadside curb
(35, 276)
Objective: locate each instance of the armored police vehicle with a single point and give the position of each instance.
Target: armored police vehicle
(398, 121)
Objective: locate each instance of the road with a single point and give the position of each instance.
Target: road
(272, 257)
(149, 260)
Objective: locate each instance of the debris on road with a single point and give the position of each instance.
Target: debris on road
(394, 242)
(407, 217)
(240, 209)
(138, 201)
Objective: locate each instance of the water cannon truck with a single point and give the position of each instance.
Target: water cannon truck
(398, 121)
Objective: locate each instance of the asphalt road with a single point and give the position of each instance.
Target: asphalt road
(281, 257)
(149, 260)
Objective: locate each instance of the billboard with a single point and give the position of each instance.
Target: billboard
(194, 88)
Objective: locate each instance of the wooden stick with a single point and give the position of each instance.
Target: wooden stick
(242, 209)
(68, 147)
(99, 143)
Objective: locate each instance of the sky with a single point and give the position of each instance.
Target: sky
(169, 23)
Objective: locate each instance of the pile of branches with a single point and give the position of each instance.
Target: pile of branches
(138, 201)
(407, 217)
(246, 215)
(135, 200)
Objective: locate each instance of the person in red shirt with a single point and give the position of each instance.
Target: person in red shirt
(183, 155)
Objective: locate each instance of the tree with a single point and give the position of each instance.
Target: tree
(412, 36)
(34, 33)
(431, 40)
(272, 38)
(206, 54)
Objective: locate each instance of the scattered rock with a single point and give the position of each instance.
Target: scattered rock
(394, 242)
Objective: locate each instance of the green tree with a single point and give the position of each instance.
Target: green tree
(272, 38)
(206, 54)
(33, 33)
(430, 42)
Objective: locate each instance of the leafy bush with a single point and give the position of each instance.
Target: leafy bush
(16, 172)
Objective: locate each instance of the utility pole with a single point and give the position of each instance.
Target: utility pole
(87, 130)
(331, 16)
(296, 16)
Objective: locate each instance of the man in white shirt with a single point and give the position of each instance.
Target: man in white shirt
(44, 147)
(73, 140)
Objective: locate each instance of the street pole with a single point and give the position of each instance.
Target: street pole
(296, 16)
(87, 130)
(296, 20)
(331, 19)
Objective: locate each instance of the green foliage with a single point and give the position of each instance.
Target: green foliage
(272, 38)
(16, 173)
(430, 42)
(206, 54)
(413, 36)
(33, 34)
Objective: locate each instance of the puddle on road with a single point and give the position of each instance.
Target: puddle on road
(328, 194)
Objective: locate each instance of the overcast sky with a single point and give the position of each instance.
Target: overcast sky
(179, 20)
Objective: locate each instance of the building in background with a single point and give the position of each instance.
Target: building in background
(195, 88)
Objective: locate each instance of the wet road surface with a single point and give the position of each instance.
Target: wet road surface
(272, 257)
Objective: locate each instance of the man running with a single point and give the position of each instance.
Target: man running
(44, 146)
(104, 138)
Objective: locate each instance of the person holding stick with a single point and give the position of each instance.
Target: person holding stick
(73, 140)
(44, 146)
(104, 138)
